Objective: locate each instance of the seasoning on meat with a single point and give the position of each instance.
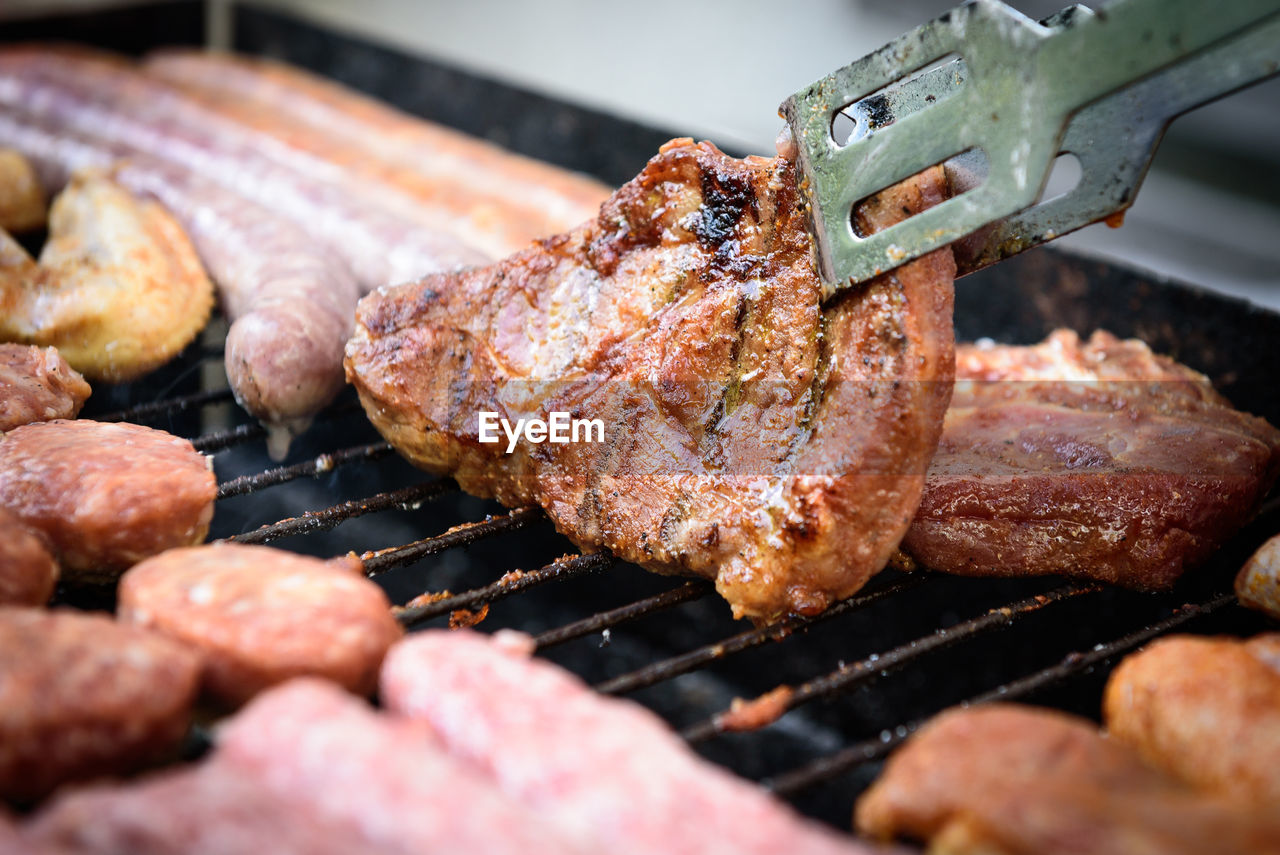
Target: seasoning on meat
(261, 615)
(28, 571)
(493, 199)
(22, 205)
(609, 767)
(118, 288)
(1023, 781)
(1099, 460)
(82, 696)
(1258, 582)
(36, 385)
(1206, 710)
(106, 495)
(751, 434)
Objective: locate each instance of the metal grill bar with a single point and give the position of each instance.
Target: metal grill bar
(880, 664)
(562, 568)
(638, 609)
(677, 665)
(323, 520)
(870, 750)
(380, 561)
(169, 406)
(223, 439)
(319, 466)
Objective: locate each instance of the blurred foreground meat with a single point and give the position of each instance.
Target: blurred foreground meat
(1009, 780)
(750, 434)
(36, 385)
(28, 570)
(1099, 460)
(608, 768)
(1258, 582)
(22, 205)
(106, 495)
(498, 201)
(1206, 710)
(260, 615)
(118, 288)
(82, 696)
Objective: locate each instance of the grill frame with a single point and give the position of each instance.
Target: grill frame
(670, 643)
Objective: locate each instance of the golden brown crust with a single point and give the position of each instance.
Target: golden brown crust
(37, 384)
(1206, 710)
(118, 289)
(1258, 582)
(22, 205)
(1094, 459)
(106, 495)
(752, 435)
(261, 616)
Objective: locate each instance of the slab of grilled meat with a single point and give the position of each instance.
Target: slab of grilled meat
(750, 434)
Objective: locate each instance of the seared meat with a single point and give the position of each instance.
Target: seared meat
(1099, 460)
(106, 495)
(1206, 710)
(83, 696)
(261, 615)
(750, 434)
(36, 385)
(1009, 780)
(28, 571)
(608, 767)
(118, 290)
(1258, 582)
(21, 199)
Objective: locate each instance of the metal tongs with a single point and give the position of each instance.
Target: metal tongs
(1008, 97)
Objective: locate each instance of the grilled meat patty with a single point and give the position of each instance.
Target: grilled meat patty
(1096, 459)
(28, 570)
(750, 434)
(37, 384)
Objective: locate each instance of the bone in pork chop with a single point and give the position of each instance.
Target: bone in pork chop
(751, 434)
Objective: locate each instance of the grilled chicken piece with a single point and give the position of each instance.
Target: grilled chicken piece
(36, 385)
(22, 205)
(1094, 459)
(118, 289)
(751, 435)
(261, 615)
(1008, 780)
(1258, 582)
(1206, 710)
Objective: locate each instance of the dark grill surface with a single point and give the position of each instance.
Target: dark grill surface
(860, 677)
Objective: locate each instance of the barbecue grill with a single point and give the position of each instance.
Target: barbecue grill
(851, 683)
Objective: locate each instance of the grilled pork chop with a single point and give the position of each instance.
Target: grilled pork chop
(751, 434)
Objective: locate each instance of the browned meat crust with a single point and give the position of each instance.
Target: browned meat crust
(1258, 582)
(1206, 710)
(1099, 460)
(21, 199)
(36, 385)
(261, 615)
(752, 435)
(28, 571)
(1022, 781)
(82, 696)
(106, 495)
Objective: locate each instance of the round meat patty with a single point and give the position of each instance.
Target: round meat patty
(106, 495)
(28, 571)
(37, 384)
(262, 615)
(82, 696)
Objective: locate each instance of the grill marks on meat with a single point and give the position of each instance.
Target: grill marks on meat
(607, 767)
(1021, 781)
(753, 436)
(37, 384)
(106, 495)
(1205, 710)
(1094, 459)
(261, 615)
(82, 696)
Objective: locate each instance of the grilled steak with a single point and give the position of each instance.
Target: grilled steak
(1206, 710)
(750, 434)
(262, 615)
(37, 384)
(608, 767)
(83, 696)
(1023, 781)
(1098, 459)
